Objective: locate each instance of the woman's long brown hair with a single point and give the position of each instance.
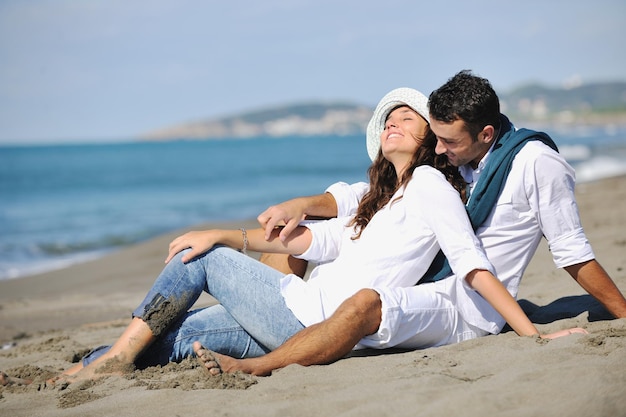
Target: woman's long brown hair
(384, 182)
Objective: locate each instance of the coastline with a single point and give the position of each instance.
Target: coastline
(45, 319)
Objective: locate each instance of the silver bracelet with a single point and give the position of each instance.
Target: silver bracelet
(244, 234)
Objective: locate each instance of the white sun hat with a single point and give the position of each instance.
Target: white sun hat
(400, 96)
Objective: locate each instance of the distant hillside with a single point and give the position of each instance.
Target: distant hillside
(307, 119)
(537, 104)
(588, 103)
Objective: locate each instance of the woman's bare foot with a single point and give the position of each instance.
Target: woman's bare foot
(6, 380)
(104, 366)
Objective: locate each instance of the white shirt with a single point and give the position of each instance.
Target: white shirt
(537, 200)
(394, 250)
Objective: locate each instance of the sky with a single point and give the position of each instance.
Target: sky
(112, 70)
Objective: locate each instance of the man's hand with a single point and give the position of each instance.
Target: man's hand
(290, 214)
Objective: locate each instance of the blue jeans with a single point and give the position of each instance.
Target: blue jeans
(251, 319)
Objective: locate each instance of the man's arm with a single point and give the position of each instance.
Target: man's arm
(551, 183)
(339, 199)
(593, 278)
(292, 212)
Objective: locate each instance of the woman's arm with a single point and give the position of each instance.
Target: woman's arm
(492, 290)
(293, 211)
(339, 200)
(201, 241)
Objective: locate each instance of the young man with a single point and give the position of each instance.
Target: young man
(520, 190)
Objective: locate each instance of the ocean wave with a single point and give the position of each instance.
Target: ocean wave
(15, 269)
(574, 153)
(18, 260)
(104, 243)
(599, 167)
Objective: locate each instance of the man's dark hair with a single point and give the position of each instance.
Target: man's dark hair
(469, 98)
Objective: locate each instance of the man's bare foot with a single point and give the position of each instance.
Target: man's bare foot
(208, 359)
(6, 380)
(216, 363)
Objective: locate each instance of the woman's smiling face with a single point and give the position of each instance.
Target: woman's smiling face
(403, 134)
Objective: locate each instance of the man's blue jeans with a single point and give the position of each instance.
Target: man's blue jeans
(251, 319)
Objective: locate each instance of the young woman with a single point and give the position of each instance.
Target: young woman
(413, 209)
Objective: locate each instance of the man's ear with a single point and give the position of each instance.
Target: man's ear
(487, 134)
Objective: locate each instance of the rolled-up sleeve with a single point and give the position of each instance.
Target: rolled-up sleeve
(326, 238)
(347, 196)
(549, 183)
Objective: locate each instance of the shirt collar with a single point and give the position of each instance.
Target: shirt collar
(471, 175)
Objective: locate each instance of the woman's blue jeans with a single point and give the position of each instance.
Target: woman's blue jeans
(251, 319)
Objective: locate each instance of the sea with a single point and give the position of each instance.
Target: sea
(65, 204)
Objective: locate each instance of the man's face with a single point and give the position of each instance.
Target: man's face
(457, 144)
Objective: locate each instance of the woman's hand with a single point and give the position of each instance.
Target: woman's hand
(565, 332)
(198, 241)
(289, 213)
(292, 212)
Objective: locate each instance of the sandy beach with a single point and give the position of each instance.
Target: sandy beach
(48, 321)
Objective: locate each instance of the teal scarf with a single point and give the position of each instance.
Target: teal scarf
(490, 184)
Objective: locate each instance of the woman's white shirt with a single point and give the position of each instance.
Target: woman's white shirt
(394, 250)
